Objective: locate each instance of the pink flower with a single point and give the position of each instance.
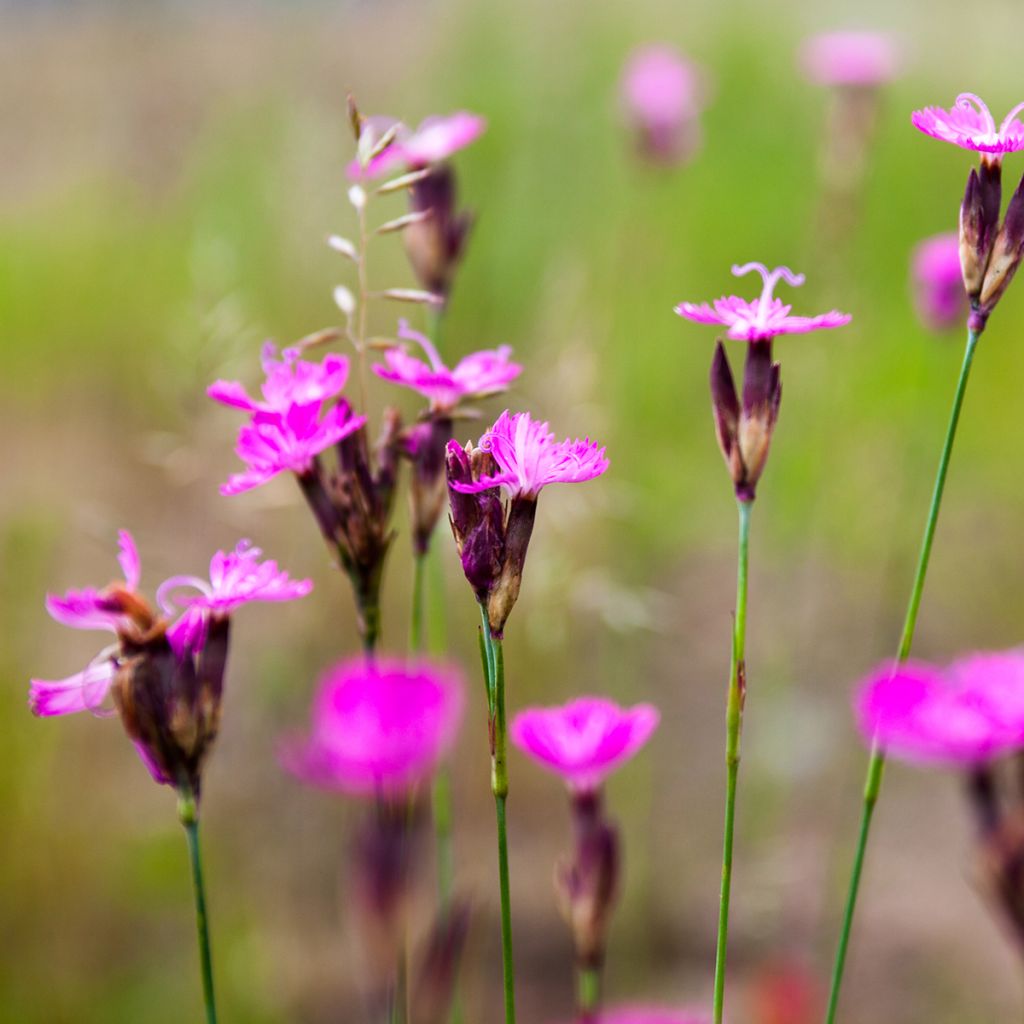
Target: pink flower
(642, 1014)
(585, 740)
(662, 95)
(436, 139)
(938, 281)
(378, 726)
(765, 317)
(529, 458)
(970, 125)
(84, 691)
(477, 376)
(850, 58)
(274, 442)
(290, 381)
(971, 712)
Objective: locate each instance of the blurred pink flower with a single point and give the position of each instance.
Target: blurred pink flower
(970, 125)
(641, 1014)
(290, 381)
(480, 374)
(274, 442)
(585, 740)
(436, 139)
(529, 458)
(850, 58)
(970, 712)
(938, 281)
(662, 97)
(763, 318)
(378, 725)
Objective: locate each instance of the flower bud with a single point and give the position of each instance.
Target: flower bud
(1006, 252)
(979, 221)
(521, 516)
(587, 885)
(434, 988)
(425, 446)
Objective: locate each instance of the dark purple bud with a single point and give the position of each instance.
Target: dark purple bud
(426, 447)
(316, 496)
(981, 789)
(518, 530)
(1006, 253)
(434, 988)
(979, 222)
(463, 506)
(724, 403)
(762, 394)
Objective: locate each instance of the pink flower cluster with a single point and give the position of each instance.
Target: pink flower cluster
(379, 726)
(236, 578)
(766, 316)
(478, 375)
(969, 712)
(289, 427)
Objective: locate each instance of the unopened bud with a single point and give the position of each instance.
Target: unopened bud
(979, 222)
(518, 531)
(1006, 252)
(425, 446)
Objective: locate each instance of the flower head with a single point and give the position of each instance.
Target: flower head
(969, 124)
(290, 381)
(850, 58)
(662, 94)
(378, 726)
(529, 458)
(969, 713)
(585, 740)
(478, 375)
(766, 316)
(938, 282)
(275, 442)
(436, 139)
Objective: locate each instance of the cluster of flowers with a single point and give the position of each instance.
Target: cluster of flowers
(382, 726)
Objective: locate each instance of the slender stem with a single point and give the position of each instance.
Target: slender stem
(416, 624)
(588, 991)
(494, 662)
(189, 817)
(364, 298)
(876, 763)
(734, 723)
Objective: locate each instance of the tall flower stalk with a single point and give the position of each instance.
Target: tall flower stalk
(990, 254)
(188, 815)
(745, 429)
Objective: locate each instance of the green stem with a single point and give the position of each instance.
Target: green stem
(494, 662)
(416, 633)
(734, 723)
(588, 992)
(189, 817)
(876, 763)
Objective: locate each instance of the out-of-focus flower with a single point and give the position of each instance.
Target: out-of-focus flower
(662, 94)
(529, 458)
(785, 991)
(289, 381)
(937, 281)
(166, 678)
(585, 740)
(970, 125)
(522, 455)
(969, 713)
(380, 726)
(859, 59)
(277, 442)
(645, 1014)
(478, 375)
(763, 318)
(436, 139)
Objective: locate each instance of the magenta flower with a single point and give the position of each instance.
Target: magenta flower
(378, 726)
(643, 1014)
(763, 318)
(479, 375)
(274, 442)
(585, 740)
(938, 281)
(436, 139)
(662, 95)
(969, 713)
(290, 381)
(970, 125)
(850, 58)
(528, 458)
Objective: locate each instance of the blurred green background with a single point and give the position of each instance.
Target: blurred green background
(169, 175)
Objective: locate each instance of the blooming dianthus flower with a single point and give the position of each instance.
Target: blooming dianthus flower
(766, 316)
(968, 713)
(585, 740)
(478, 375)
(529, 458)
(850, 58)
(969, 124)
(379, 726)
